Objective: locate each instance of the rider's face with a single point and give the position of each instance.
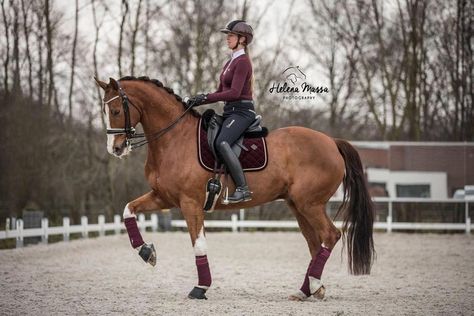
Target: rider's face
(231, 40)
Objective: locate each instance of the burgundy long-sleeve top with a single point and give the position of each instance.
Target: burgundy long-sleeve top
(235, 81)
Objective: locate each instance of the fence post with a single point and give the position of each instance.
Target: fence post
(44, 228)
(242, 218)
(19, 230)
(468, 219)
(7, 226)
(117, 224)
(234, 219)
(66, 230)
(141, 223)
(84, 221)
(389, 217)
(13, 223)
(101, 221)
(154, 222)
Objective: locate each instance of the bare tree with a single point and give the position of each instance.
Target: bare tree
(466, 35)
(134, 37)
(268, 66)
(6, 24)
(106, 164)
(39, 48)
(337, 56)
(146, 32)
(97, 26)
(124, 10)
(16, 49)
(26, 31)
(73, 60)
(49, 57)
(463, 71)
(409, 69)
(449, 71)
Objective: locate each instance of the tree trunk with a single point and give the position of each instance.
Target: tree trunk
(39, 41)
(6, 62)
(468, 69)
(464, 38)
(16, 51)
(134, 37)
(109, 188)
(122, 26)
(147, 38)
(49, 51)
(26, 30)
(73, 60)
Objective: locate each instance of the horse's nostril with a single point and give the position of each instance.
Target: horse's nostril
(117, 149)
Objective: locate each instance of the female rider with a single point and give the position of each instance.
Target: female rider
(235, 89)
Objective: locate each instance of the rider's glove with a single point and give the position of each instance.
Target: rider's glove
(196, 100)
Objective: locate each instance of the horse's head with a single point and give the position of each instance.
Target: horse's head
(120, 116)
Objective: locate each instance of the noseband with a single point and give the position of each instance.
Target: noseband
(129, 130)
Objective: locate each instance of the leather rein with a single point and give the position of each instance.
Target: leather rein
(129, 130)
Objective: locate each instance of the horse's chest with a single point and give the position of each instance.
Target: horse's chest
(153, 179)
(156, 182)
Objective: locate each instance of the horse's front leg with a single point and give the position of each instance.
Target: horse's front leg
(147, 202)
(195, 221)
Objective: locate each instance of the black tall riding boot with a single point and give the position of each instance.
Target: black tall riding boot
(242, 192)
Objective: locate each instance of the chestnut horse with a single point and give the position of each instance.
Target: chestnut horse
(305, 167)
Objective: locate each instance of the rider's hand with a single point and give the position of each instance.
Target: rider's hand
(196, 100)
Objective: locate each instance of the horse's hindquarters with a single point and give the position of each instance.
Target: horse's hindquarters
(302, 164)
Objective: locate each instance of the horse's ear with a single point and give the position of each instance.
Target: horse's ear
(113, 83)
(101, 84)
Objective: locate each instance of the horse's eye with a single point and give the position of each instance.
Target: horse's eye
(115, 112)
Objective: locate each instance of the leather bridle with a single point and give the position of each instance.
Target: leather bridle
(129, 130)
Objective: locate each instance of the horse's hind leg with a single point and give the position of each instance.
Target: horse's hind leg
(328, 235)
(313, 241)
(321, 236)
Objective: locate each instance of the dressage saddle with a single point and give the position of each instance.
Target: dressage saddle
(212, 123)
(254, 157)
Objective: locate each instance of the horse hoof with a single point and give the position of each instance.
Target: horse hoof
(319, 294)
(197, 293)
(148, 253)
(298, 296)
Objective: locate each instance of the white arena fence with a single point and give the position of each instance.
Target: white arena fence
(236, 223)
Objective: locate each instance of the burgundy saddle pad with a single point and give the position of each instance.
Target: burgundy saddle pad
(255, 159)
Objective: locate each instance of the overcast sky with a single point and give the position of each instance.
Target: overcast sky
(267, 35)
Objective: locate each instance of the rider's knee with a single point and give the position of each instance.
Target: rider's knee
(222, 145)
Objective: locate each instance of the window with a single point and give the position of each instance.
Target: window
(414, 190)
(383, 185)
(378, 189)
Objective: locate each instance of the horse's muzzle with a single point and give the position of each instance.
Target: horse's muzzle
(118, 149)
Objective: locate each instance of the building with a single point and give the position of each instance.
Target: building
(417, 169)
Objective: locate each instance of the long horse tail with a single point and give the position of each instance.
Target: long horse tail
(358, 212)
